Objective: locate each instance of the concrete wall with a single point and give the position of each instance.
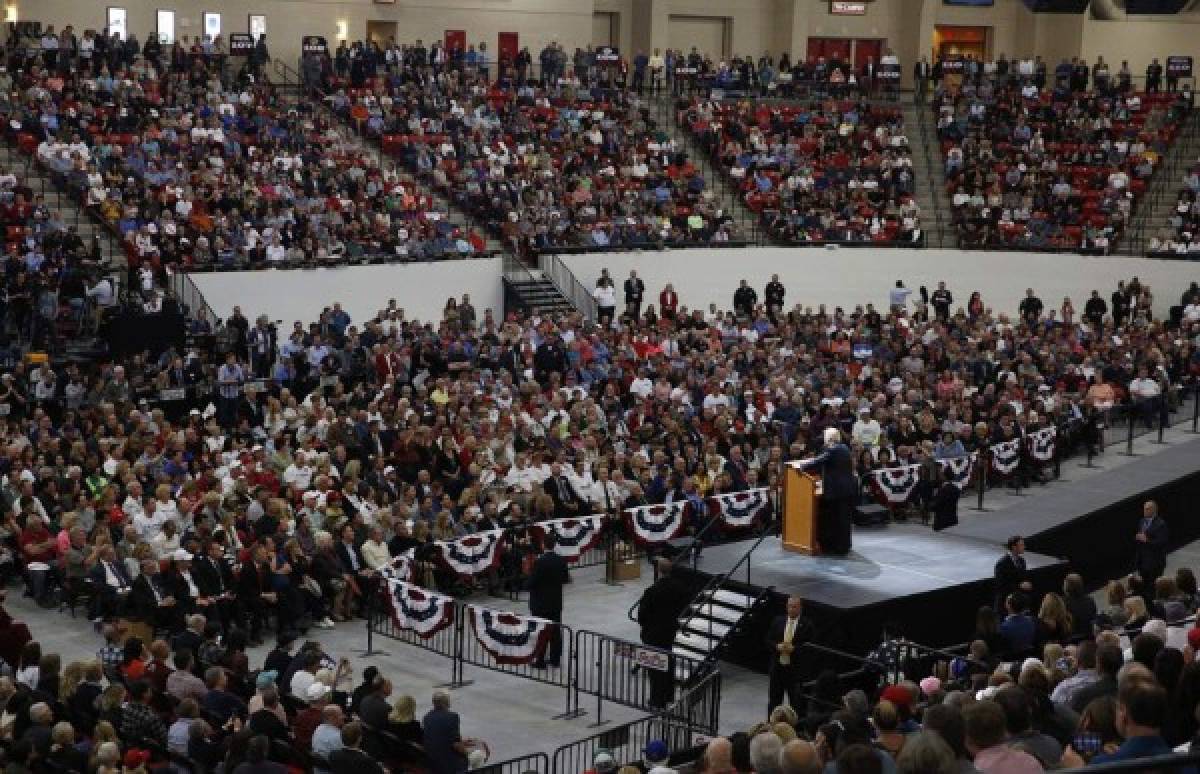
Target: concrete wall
(847, 278)
(421, 289)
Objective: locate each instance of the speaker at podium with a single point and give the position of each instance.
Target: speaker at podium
(801, 510)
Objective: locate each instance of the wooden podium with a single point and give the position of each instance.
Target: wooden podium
(801, 510)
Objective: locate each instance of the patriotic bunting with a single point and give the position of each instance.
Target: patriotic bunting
(958, 469)
(1041, 444)
(473, 554)
(574, 536)
(657, 523)
(893, 486)
(415, 608)
(1006, 456)
(508, 637)
(742, 509)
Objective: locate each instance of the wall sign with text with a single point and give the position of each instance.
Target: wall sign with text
(848, 7)
(1179, 66)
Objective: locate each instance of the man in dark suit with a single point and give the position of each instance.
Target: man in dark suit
(112, 585)
(658, 614)
(839, 489)
(255, 593)
(567, 502)
(786, 634)
(152, 602)
(443, 737)
(1010, 571)
(1150, 550)
(214, 578)
(635, 291)
(546, 581)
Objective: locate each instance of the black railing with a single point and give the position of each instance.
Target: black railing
(642, 677)
(534, 763)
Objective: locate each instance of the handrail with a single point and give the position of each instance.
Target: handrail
(569, 285)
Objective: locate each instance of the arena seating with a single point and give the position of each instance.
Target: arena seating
(830, 171)
(545, 169)
(1052, 169)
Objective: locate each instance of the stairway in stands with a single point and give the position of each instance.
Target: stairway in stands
(531, 291)
(1153, 215)
(89, 228)
(928, 168)
(662, 107)
(710, 620)
(287, 81)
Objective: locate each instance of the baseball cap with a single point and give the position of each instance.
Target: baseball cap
(656, 750)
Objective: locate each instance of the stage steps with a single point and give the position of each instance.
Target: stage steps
(710, 620)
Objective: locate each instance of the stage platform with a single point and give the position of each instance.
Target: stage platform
(931, 583)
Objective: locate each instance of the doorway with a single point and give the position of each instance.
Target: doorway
(507, 46)
(455, 40)
(952, 42)
(853, 51)
(381, 32)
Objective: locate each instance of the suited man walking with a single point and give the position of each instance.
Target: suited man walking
(786, 634)
(546, 581)
(839, 488)
(1150, 548)
(1010, 571)
(659, 609)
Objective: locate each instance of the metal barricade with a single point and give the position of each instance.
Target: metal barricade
(630, 674)
(471, 651)
(445, 642)
(535, 763)
(684, 725)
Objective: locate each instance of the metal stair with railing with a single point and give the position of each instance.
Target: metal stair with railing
(729, 198)
(29, 173)
(936, 219)
(529, 291)
(287, 83)
(1157, 206)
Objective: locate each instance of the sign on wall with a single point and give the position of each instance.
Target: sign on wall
(954, 66)
(848, 7)
(608, 54)
(1179, 66)
(887, 72)
(314, 44)
(240, 44)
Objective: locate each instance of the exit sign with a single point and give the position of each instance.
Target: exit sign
(847, 8)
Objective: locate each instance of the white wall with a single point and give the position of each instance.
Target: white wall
(421, 289)
(847, 278)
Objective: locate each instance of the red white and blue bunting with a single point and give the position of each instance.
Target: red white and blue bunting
(1041, 444)
(471, 555)
(893, 486)
(574, 537)
(400, 568)
(957, 470)
(424, 612)
(1006, 457)
(742, 509)
(508, 637)
(653, 524)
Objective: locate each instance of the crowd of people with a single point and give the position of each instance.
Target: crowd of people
(1183, 238)
(192, 168)
(834, 171)
(574, 162)
(1031, 164)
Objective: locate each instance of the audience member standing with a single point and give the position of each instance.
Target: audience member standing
(546, 581)
(786, 634)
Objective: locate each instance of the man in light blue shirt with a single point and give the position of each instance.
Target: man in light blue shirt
(328, 736)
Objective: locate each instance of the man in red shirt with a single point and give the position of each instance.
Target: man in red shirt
(40, 550)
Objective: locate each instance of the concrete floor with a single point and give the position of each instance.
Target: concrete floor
(512, 715)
